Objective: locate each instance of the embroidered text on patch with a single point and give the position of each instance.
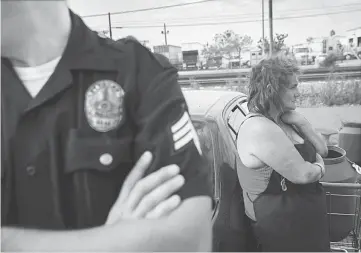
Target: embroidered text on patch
(183, 133)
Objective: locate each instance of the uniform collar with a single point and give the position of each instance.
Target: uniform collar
(81, 40)
(83, 48)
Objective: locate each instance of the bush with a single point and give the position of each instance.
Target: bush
(341, 92)
(239, 85)
(334, 91)
(330, 61)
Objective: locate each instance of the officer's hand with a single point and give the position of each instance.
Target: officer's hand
(148, 197)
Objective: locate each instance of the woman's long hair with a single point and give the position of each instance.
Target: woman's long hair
(268, 77)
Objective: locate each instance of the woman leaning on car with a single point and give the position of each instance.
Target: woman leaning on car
(282, 157)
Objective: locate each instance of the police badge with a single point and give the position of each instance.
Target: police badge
(104, 105)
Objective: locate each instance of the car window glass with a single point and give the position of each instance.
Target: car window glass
(244, 107)
(234, 120)
(205, 138)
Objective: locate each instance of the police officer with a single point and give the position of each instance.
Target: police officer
(78, 112)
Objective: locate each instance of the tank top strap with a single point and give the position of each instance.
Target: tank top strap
(251, 115)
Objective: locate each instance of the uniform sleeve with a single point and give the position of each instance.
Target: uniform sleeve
(165, 128)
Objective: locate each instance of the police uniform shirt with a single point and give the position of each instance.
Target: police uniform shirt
(66, 152)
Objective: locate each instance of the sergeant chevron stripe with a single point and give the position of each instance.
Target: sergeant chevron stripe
(183, 132)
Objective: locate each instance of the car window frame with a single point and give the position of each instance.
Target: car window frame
(216, 191)
(235, 103)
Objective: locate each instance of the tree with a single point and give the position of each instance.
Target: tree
(210, 51)
(310, 40)
(263, 45)
(229, 43)
(278, 43)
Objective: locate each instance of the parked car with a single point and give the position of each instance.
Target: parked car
(303, 55)
(320, 58)
(246, 64)
(349, 56)
(352, 53)
(217, 116)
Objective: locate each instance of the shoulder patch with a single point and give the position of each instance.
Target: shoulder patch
(104, 105)
(183, 132)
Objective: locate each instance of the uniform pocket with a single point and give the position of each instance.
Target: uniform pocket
(101, 153)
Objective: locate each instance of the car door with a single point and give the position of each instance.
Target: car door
(231, 230)
(229, 234)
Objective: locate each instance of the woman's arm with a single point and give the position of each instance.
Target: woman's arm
(315, 138)
(306, 129)
(266, 141)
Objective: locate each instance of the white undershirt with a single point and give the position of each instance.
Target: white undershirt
(34, 78)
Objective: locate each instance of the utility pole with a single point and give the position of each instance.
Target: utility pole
(270, 27)
(262, 27)
(110, 26)
(165, 32)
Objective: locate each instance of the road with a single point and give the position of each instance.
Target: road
(350, 63)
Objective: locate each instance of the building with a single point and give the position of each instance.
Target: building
(173, 53)
(190, 46)
(192, 56)
(354, 37)
(317, 45)
(334, 43)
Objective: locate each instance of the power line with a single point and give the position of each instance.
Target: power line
(149, 9)
(240, 22)
(284, 11)
(215, 16)
(220, 17)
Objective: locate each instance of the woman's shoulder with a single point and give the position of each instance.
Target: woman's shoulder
(261, 134)
(257, 123)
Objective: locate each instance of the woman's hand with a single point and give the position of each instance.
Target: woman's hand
(306, 129)
(321, 164)
(294, 118)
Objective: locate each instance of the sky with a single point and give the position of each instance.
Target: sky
(243, 17)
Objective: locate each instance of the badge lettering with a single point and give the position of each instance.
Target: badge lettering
(104, 105)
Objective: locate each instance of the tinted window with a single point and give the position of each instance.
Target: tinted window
(244, 107)
(205, 138)
(234, 120)
(301, 50)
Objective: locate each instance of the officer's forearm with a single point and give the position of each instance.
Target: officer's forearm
(136, 235)
(193, 223)
(20, 239)
(124, 236)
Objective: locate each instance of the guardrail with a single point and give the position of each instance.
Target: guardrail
(241, 75)
(241, 72)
